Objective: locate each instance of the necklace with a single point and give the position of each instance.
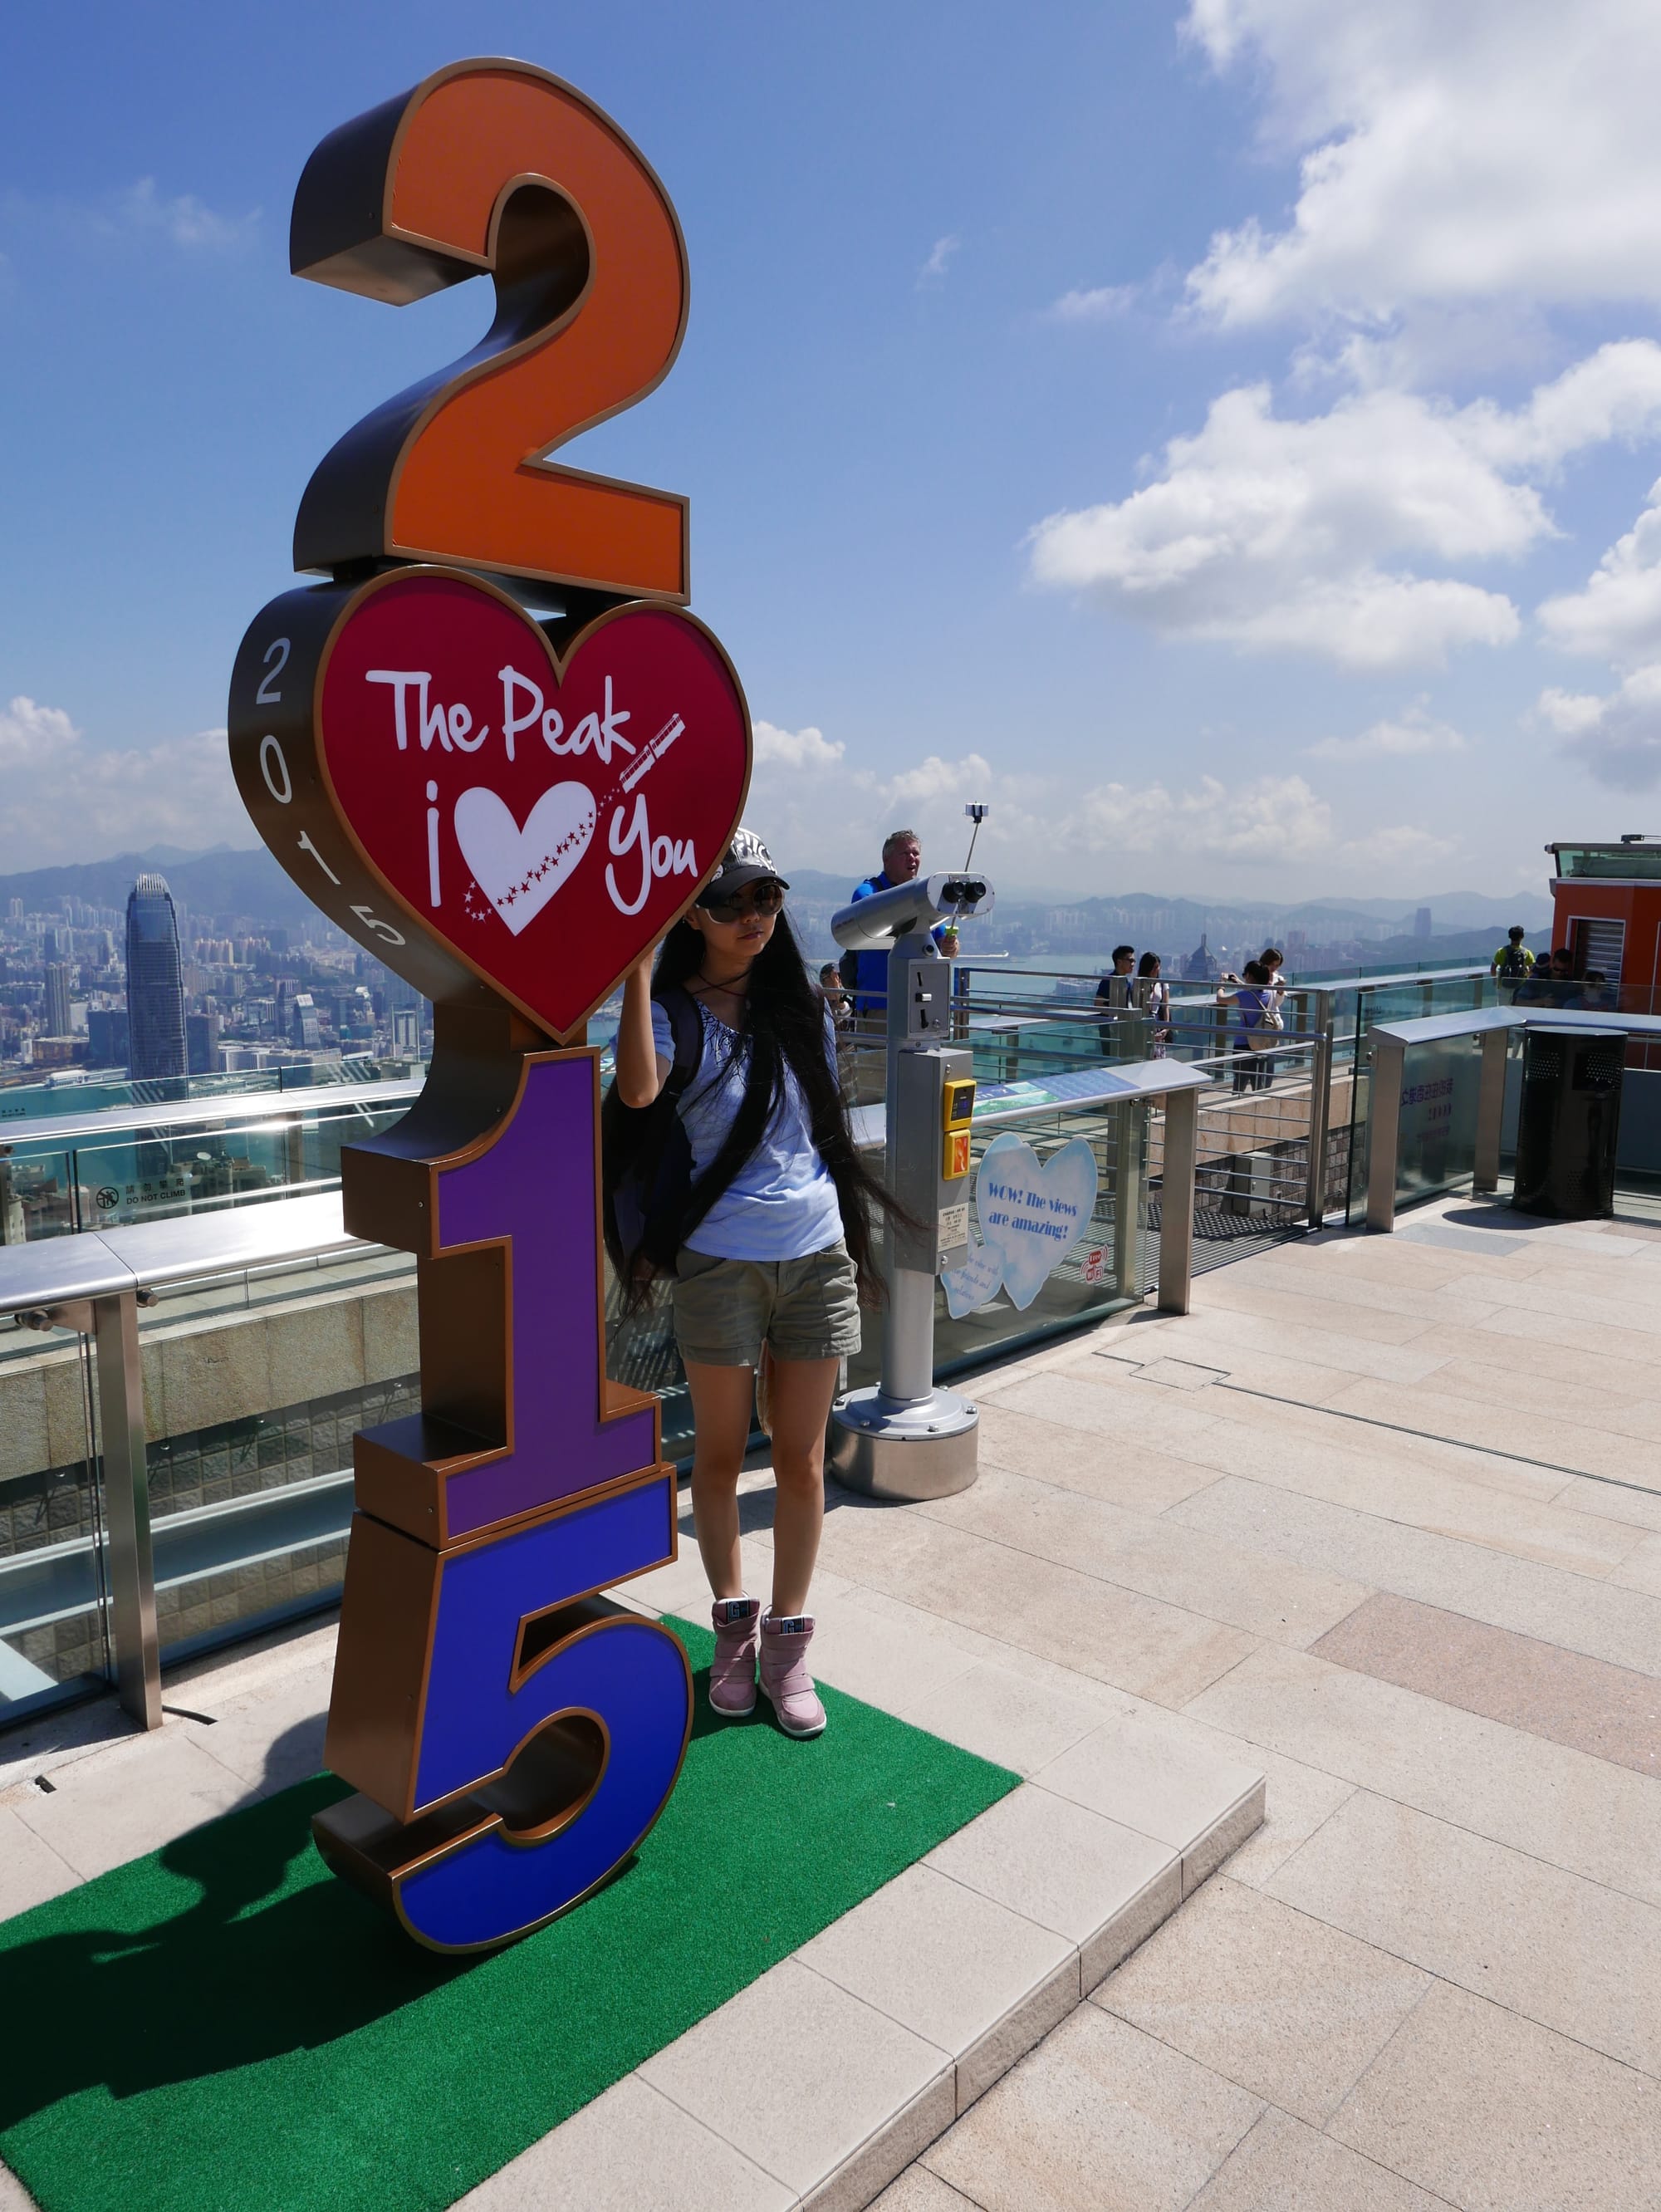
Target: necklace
(734, 990)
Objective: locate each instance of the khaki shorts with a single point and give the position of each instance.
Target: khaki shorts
(806, 1309)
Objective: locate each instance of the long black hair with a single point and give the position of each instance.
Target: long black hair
(785, 1026)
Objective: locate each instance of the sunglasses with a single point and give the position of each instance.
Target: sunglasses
(755, 899)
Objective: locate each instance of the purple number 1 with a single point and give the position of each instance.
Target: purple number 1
(513, 1734)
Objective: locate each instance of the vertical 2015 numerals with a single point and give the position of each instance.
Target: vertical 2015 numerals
(512, 1734)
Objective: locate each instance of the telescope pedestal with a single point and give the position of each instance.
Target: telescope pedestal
(891, 1447)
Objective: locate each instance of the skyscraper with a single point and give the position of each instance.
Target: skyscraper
(57, 998)
(155, 985)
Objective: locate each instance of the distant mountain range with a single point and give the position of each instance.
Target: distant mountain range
(249, 882)
(1322, 919)
(221, 881)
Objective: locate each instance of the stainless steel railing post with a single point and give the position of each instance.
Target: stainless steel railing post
(127, 1506)
(1176, 1221)
(1320, 1114)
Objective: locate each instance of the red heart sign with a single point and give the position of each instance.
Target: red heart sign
(534, 818)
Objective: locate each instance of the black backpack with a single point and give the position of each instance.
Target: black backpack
(646, 1177)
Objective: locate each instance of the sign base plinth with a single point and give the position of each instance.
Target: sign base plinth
(905, 1451)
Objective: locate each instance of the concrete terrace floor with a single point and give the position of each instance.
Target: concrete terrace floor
(1381, 1520)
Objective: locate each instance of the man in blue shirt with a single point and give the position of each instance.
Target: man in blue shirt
(902, 859)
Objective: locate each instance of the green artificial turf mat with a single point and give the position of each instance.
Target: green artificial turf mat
(223, 2024)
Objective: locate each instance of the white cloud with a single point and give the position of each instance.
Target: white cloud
(1619, 612)
(140, 210)
(1311, 534)
(1490, 151)
(1400, 848)
(1274, 819)
(803, 749)
(1415, 730)
(66, 800)
(1100, 305)
(1616, 738)
(934, 268)
(184, 220)
(1269, 532)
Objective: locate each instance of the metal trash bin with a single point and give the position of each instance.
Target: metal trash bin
(1568, 1122)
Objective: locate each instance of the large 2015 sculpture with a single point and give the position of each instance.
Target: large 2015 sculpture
(508, 808)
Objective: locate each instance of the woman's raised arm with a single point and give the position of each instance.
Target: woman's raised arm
(641, 1072)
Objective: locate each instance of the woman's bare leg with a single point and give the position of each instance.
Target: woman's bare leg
(721, 1401)
(801, 1393)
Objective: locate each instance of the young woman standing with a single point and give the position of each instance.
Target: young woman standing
(775, 1249)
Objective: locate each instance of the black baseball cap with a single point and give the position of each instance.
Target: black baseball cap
(746, 860)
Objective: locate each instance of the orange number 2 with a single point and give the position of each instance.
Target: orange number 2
(495, 166)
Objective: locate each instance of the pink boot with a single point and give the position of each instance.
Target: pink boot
(733, 1670)
(785, 1676)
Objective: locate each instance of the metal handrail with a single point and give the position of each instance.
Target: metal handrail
(94, 1283)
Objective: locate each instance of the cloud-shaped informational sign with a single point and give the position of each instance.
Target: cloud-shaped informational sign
(1031, 1214)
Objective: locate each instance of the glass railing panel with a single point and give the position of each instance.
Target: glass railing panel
(54, 1640)
(1436, 1142)
(145, 1175)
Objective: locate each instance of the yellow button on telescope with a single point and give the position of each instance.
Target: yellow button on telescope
(956, 1101)
(956, 1105)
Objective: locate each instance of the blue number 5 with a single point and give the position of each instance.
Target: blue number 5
(493, 1683)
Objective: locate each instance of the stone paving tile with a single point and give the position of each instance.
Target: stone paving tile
(272, 1735)
(1286, 2005)
(797, 2074)
(1102, 1884)
(1609, 1712)
(1615, 1501)
(1149, 1779)
(919, 2190)
(1284, 2167)
(631, 2150)
(1568, 1953)
(896, 1664)
(1154, 1650)
(1620, 1626)
(1347, 1464)
(1146, 1478)
(958, 1969)
(1245, 1342)
(1002, 1715)
(1099, 2118)
(1313, 1436)
(139, 1795)
(1460, 1297)
(1254, 1290)
(1140, 1552)
(1104, 1401)
(1617, 1438)
(1559, 1804)
(1495, 2114)
(14, 2197)
(1641, 1569)
(30, 1871)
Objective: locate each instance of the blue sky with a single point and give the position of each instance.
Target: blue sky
(1221, 436)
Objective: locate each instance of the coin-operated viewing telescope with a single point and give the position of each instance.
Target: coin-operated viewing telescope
(904, 1438)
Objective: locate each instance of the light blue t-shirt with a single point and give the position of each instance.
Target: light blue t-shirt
(782, 1203)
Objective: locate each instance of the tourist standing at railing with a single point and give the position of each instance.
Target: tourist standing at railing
(1153, 998)
(1513, 963)
(866, 974)
(1259, 1022)
(1113, 994)
(1271, 960)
